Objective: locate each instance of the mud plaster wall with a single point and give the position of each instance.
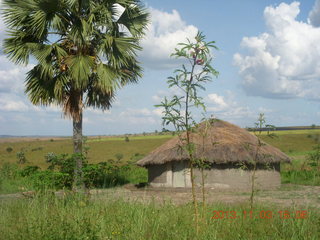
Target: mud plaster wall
(229, 176)
(157, 173)
(220, 176)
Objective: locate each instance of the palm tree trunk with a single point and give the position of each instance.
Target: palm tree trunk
(77, 149)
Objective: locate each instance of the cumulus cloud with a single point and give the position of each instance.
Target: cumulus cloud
(165, 31)
(141, 116)
(314, 15)
(12, 76)
(226, 108)
(11, 103)
(284, 61)
(218, 101)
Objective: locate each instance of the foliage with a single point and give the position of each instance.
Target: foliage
(259, 125)
(21, 157)
(103, 174)
(118, 156)
(29, 170)
(299, 176)
(178, 111)
(47, 179)
(314, 157)
(84, 51)
(126, 139)
(80, 48)
(9, 149)
(37, 149)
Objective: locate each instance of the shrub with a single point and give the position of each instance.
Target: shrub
(21, 157)
(43, 180)
(9, 149)
(314, 157)
(118, 156)
(29, 170)
(104, 174)
(36, 149)
(127, 139)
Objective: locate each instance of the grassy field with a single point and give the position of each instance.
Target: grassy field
(108, 218)
(47, 217)
(99, 149)
(295, 143)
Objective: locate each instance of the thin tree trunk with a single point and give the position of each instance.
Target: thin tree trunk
(203, 191)
(77, 149)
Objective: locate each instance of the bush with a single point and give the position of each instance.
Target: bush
(9, 149)
(314, 157)
(51, 180)
(104, 174)
(118, 156)
(36, 149)
(29, 170)
(21, 157)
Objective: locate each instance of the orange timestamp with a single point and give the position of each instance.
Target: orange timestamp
(263, 214)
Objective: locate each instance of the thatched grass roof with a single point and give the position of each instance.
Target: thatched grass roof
(218, 142)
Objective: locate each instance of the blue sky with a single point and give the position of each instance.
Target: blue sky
(268, 61)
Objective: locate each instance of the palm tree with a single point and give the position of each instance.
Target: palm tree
(85, 50)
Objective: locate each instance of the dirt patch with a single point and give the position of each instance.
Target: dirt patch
(286, 196)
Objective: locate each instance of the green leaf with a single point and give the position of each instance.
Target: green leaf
(80, 68)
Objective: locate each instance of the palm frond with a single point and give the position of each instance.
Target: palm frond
(80, 70)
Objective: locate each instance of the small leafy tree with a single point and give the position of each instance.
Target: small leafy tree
(118, 156)
(21, 157)
(178, 111)
(259, 125)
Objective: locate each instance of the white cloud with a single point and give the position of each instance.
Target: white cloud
(218, 101)
(12, 76)
(10, 105)
(160, 95)
(226, 108)
(284, 61)
(314, 15)
(164, 33)
(141, 116)
(97, 111)
(158, 112)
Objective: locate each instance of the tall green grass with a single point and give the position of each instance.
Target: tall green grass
(72, 218)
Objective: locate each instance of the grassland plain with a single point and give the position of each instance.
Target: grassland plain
(100, 149)
(295, 143)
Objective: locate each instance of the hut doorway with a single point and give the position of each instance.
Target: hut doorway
(178, 172)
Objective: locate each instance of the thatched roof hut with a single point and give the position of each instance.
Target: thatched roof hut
(220, 143)
(223, 142)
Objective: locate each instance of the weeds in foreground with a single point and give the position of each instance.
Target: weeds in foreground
(75, 217)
